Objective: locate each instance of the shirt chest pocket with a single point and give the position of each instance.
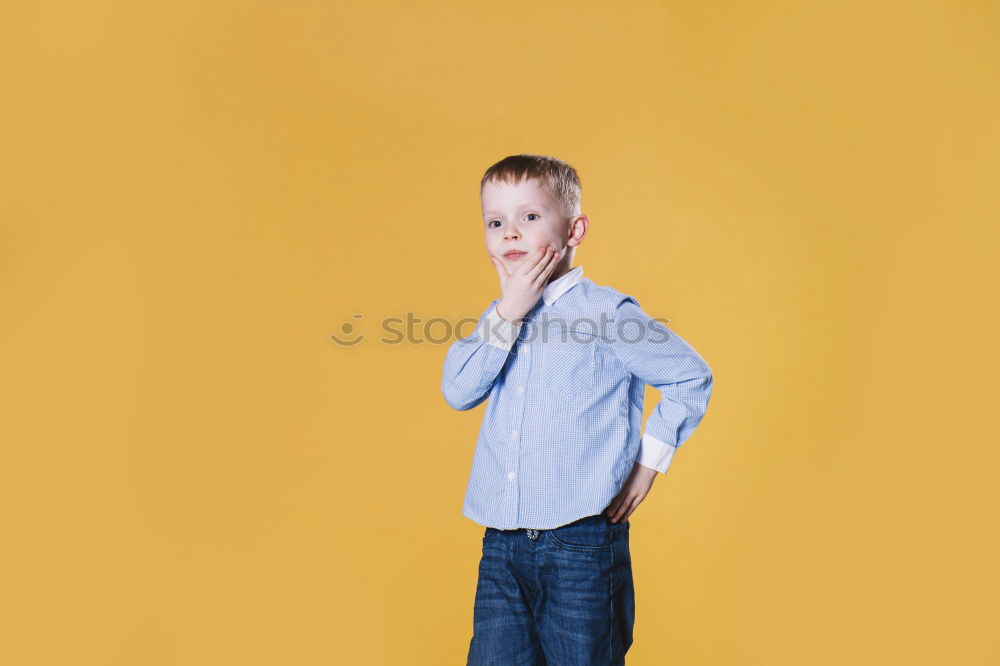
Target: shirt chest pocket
(569, 361)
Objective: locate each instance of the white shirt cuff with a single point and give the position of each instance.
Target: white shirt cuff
(655, 454)
(497, 331)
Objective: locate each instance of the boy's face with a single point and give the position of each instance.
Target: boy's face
(526, 217)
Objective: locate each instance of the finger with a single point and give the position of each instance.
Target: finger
(556, 256)
(624, 509)
(549, 266)
(631, 507)
(501, 269)
(534, 261)
(540, 265)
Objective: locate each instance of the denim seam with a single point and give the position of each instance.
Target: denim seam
(614, 619)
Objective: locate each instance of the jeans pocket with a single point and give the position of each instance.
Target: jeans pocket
(589, 535)
(577, 547)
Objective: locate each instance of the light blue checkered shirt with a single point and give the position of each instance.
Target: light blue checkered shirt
(566, 387)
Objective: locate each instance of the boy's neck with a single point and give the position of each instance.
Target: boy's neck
(558, 274)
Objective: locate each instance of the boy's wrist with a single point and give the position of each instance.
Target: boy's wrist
(497, 331)
(503, 313)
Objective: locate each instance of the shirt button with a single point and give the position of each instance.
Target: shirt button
(514, 434)
(520, 389)
(511, 475)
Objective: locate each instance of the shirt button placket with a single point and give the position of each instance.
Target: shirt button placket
(515, 435)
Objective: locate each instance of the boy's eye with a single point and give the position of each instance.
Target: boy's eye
(490, 223)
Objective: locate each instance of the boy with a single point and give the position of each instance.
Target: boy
(559, 463)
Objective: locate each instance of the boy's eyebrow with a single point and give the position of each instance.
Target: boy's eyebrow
(521, 207)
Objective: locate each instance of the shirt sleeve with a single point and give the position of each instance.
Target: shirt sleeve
(474, 362)
(663, 360)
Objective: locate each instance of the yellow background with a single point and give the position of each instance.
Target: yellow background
(195, 195)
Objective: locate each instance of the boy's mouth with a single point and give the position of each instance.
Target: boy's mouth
(514, 254)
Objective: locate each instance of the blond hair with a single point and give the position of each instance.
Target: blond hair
(555, 175)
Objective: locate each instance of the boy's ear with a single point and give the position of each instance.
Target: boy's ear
(580, 222)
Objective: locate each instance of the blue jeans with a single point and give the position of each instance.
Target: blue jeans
(559, 597)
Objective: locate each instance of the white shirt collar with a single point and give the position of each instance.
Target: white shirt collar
(561, 285)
